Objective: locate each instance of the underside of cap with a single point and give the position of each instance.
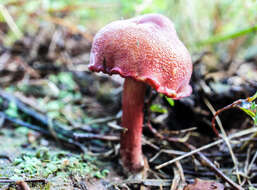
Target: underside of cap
(147, 49)
(185, 91)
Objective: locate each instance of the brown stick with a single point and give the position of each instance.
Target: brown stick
(207, 163)
(83, 136)
(234, 104)
(7, 180)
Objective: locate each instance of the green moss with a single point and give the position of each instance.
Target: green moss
(44, 163)
(36, 161)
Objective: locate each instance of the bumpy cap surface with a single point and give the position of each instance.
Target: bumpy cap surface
(147, 49)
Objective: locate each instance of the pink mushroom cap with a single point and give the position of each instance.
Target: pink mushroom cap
(147, 49)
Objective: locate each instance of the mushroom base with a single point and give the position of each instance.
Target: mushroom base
(132, 121)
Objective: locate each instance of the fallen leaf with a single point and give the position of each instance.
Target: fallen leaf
(204, 185)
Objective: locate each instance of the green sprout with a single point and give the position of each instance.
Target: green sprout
(250, 107)
(158, 108)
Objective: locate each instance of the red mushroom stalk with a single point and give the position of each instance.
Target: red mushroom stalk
(145, 50)
(132, 120)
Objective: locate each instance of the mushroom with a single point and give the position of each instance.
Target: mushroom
(145, 50)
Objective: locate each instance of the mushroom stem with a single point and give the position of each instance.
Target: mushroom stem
(132, 120)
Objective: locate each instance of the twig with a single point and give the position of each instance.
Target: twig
(29, 101)
(235, 135)
(200, 173)
(52, 128)
(252, 162)
(58, 128)
(43, 131)
(237, 103)
(149, 143)
(115, 126)
(23, 107)
(180, 171)
(247, 161)
(170, 152)
(101, 120)
(9, 20)
(225, 137)
(177, 132)
(145, 182)
(176, 179)
(5, 157)
(82, 136)
(171, 139)
(7, 180)
(55, 38)
(206, 162)
(25, 124)
(234, 104)
(34, 114)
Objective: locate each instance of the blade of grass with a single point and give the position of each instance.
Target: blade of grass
(221, 38)
(9, 20)
(235, 135)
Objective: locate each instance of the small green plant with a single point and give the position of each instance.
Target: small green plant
(170, 101)
(158, 108)
(250, 107)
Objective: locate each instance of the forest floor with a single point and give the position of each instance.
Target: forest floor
(60, 123)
